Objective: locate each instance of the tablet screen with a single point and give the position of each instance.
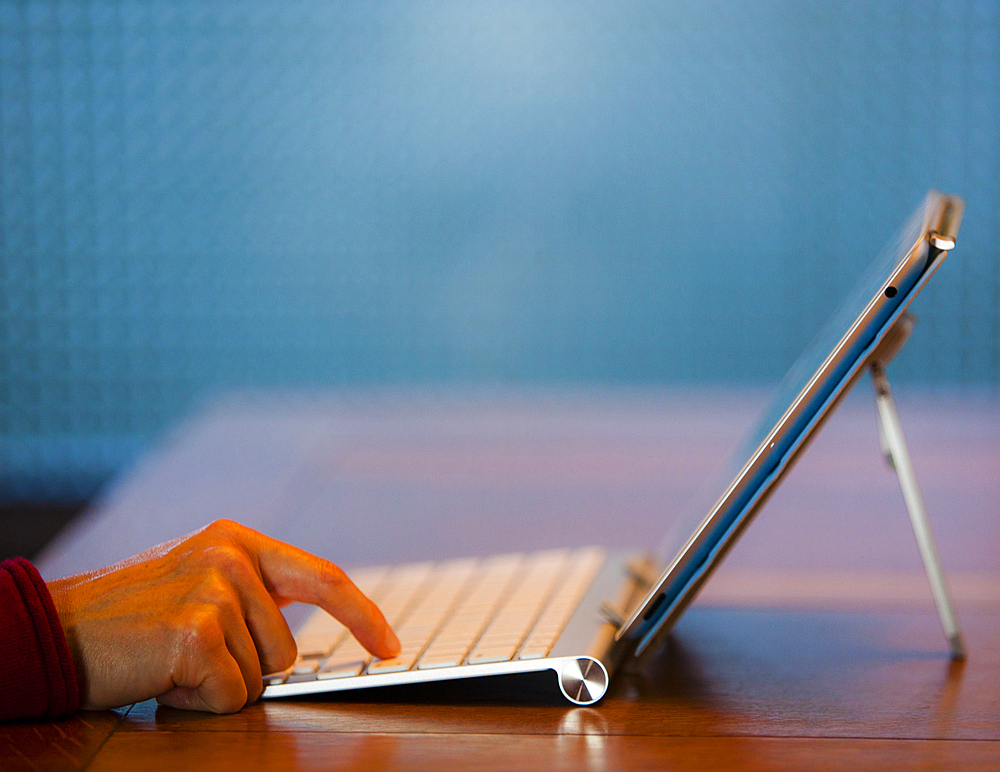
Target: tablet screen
(819, 372)
(794, 385)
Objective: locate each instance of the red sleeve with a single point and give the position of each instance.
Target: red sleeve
(37, 676)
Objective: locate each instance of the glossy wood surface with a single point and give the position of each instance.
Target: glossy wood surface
(783, 663)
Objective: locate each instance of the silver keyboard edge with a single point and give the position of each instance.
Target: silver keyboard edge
(586, 637)
(555, 664)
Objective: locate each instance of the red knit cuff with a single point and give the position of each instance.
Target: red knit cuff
(37, 675)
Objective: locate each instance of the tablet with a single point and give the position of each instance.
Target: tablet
(813, 386)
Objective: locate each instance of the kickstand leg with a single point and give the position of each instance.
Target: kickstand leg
(895, 450)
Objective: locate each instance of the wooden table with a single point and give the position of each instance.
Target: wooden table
(815, 647)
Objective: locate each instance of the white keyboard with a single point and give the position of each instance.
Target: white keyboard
(462, 612)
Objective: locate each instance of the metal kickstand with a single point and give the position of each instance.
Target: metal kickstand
(894, 448)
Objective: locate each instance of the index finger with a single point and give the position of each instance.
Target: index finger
(294, 574)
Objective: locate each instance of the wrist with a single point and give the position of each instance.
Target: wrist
(60, 592)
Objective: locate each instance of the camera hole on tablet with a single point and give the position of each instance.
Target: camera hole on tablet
(890, 292)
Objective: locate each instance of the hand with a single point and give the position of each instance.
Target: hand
(194, 622)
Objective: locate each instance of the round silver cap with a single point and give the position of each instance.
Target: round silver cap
(583, 680)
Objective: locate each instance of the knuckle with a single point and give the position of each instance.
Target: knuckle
(223, 528)
(201, 632)
(227, 557)
(223, 566)
(218, 595)
(233, 699)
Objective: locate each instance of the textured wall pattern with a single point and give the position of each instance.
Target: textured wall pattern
(196, 196)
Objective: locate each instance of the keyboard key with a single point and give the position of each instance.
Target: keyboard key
(340, 669)
(489, 656)
(434, 661)
(276, 678)
(306, 666)
(391, 665)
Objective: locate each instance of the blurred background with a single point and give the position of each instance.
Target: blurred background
(199, 197)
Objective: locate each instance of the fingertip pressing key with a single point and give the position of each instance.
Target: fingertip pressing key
(391, 642)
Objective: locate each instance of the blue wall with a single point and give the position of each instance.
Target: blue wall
(196, 196)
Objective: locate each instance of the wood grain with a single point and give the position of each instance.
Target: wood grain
(56, 745)
(220, 751)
